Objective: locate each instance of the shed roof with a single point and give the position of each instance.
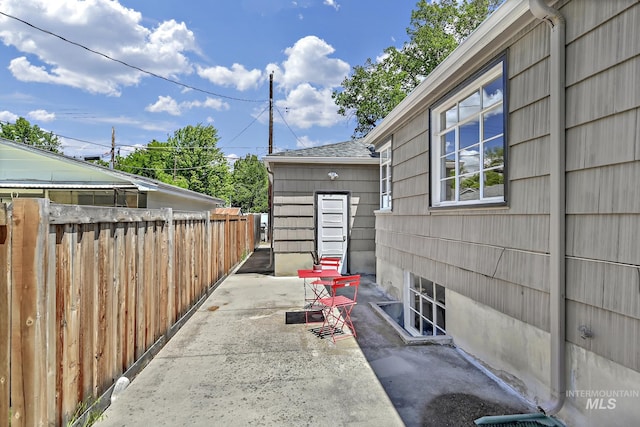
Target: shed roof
(227, 211)
(352, 151)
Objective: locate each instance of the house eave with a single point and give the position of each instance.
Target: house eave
(476, 50)
(322, 160)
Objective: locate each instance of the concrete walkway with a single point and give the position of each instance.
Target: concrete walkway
(236, 363)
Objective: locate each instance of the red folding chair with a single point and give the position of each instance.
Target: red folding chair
(337, 307)
(330, 263)
(320, 284)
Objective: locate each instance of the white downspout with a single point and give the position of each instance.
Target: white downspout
(557, 231)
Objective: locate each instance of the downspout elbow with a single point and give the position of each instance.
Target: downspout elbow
(557, 214)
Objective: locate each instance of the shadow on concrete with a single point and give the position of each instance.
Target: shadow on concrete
(259, 262)
(430, 385)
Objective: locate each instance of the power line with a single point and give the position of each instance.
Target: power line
(127, 64)
(291, 130)
(248, 126)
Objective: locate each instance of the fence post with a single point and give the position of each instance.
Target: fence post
(5, 311)
(30, 348)
(227, 244)
(171, 286)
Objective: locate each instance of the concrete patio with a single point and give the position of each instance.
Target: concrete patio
(237, 363)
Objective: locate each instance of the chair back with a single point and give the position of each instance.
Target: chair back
(330, 263)
(346, 281)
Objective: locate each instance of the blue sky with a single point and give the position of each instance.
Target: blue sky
(221, 51)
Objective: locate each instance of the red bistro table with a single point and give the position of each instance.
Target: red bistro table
(317, 286)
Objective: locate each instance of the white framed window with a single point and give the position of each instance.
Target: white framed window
(424, 307)
(385, 176)
(468, 143)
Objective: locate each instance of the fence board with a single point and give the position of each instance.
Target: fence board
(5, 312)
(88, 324)
(69, 274)
(170, 251)
(120, 300)
(140, 292)
(131, 295)
(161, 262)
(52, 326)
(27, 361)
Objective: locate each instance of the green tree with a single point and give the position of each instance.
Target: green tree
(436, 29)
(25, 132)
(251, 184)
(188, 159)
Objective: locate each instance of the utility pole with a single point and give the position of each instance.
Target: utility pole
(269, 229)
(113, 148)
(271, 113)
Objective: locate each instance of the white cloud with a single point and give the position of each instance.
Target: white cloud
(41, 115)
(307, 78)
(8, 116)
(215, 104)
(308, 62)
(307, 106)
(166, 104)
(154, 126)
(237, 76)
(332, 3)
(102, 25)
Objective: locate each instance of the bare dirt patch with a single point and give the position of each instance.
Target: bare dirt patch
(459, 409)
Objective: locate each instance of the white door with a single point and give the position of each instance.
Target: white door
(332, 225)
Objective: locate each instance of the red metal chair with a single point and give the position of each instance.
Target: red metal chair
(330, 263)
(337, 307)
(319, 285)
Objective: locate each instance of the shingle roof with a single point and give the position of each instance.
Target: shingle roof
(351, 148)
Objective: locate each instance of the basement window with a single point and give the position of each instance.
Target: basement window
(425, 309)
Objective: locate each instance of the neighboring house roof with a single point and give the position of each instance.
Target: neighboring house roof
(48, 170)
(353, 151)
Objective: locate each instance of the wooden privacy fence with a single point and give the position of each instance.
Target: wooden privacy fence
(87, 293)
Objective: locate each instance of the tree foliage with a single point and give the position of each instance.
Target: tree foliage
(250, 184)
(188, 159)
(25, 132)
(436, 28)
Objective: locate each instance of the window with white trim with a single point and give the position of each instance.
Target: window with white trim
(385, 176)
(468, 143)
(424, 309)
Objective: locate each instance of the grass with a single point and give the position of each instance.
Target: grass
(90, 419)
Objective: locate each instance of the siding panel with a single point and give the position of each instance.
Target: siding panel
(604, 190)
(530, 196)
(611, 238)
(529, 159)
(604, 94)
(615, 337)
(529, 86)
(529, 50)
(529, 122)
(608, 44)
(602, 142)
